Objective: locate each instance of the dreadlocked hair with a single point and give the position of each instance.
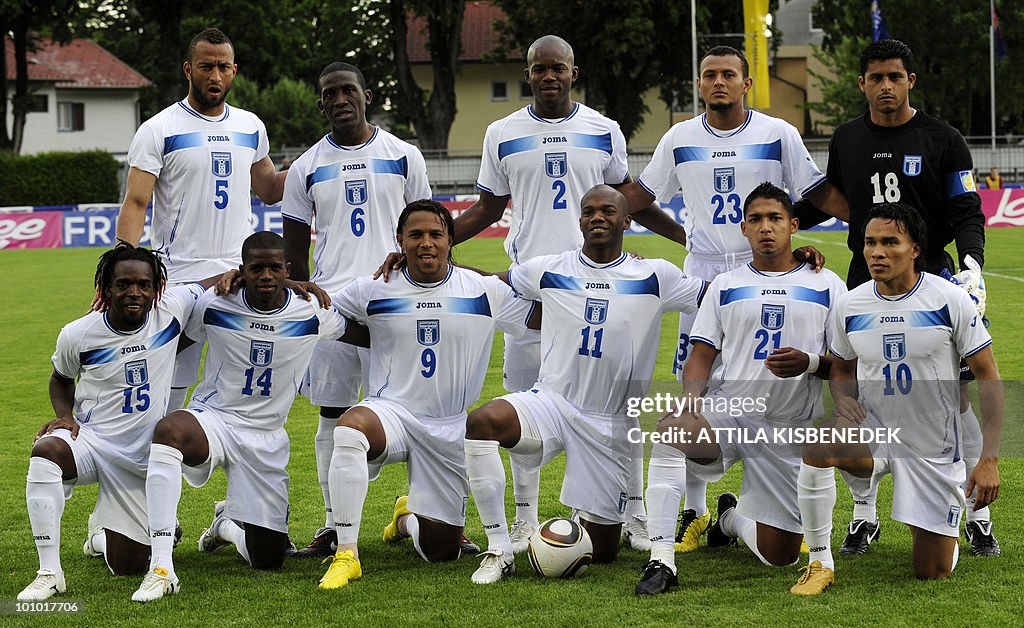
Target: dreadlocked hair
(104, 278)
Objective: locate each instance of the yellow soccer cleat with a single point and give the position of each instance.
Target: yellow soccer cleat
(391, 533)
(814, 579)
(803, 547)
(344, 568)
(690, 528)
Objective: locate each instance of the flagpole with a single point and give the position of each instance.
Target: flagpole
(992, 67)
(693, 55)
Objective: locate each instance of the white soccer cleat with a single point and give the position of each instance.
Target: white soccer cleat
(209, 542)
(494, 566)
(46, 585)
(155, 585)
(635, 532)
(520, 535)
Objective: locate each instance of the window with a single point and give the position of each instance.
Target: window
(39, 103)
(499, 90)
(525, 93)
(70, 116)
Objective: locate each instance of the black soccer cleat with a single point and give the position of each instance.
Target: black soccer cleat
(983, 540)
(862, 534)
(716, 537)
(324, 544)
(657, 578)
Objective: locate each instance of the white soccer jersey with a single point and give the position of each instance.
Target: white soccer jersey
(124, 379)
(547, 166)
(430, 343)
(201, 201)
(356, 194)
(256, 360)
(601, 322)
(716, 171)
(908, 352)
(747, 314)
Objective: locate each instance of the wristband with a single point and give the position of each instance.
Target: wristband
(814, 361)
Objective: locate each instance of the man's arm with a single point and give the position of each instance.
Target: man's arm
(984, 480)
(968, 227)
(131, 219)
(843, 387)
(487, 210)
(296, 248)
(62, 398)
(355, 333)
(645, 211)
(831, 200)
(267, 182)
(698, 369)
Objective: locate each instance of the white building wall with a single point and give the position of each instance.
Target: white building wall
(111, 119)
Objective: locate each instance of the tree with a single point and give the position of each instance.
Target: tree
(287, 108)
(841, 99)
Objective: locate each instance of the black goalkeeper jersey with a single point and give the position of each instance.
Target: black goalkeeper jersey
(924, 163)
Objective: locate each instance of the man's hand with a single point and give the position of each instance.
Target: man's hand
(810, 255)
(231, 281)
(984, 482)
(395, 261)
(787, 362)
(59, 424)
(307, 288)
(851, 410)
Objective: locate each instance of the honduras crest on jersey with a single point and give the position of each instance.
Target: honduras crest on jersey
(773, 316)
(428, 332)
(912, 165)
(355, 192)
(136, 373)
(221, 164)
(596, 311)
(556, 165)
(894, 347)
(261, 352)
(725, 179)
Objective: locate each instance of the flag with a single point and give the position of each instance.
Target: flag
(1000, 43)
(878, 22)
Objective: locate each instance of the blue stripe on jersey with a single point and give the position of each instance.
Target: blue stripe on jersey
(601, 142)
(292, 329)
(731, 295)
(518, 145)
(960, 182)
(388, 306)
(596, 142)
(470, 305)
(767, 152)
(559, 282)
(934, 318)
(388, 166)
(185, 140)
(637, 286)
(165, 335)
(321, 174)
(860, 322)
(246, 140)
(800, 293)
(97, 356)
(220, 318)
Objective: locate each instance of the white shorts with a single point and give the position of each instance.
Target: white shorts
(598, 454)
(335, 373)
(522, 361)
(255, 462)
(121, 506)
(768, 493)
(706, 268)
(434, 451)
(186, 367)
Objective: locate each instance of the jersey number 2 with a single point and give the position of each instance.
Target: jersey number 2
(558, 186)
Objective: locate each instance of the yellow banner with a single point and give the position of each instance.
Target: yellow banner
(754, 26)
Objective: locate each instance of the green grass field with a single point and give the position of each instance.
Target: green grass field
(44, 289)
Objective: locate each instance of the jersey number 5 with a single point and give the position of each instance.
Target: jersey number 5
(220, 193)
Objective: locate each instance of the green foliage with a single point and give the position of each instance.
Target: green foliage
(841, 99)
(288, 108)
(59, 178)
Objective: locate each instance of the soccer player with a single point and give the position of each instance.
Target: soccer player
(897, 345)
(768, 321)
(260, 343)
(352, 185)
(601, 319)
(894, 153)
(431, 331)
(716, 159)
(196, 161)
(122, 359)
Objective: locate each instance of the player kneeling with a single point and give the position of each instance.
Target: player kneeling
(897, 341)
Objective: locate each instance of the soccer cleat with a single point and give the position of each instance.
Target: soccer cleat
(983, 541)
(862, 534)
(391, 531)
(344, 568)
(814, 579)
(323, 545)
(467, 547)
(494, 566)
(209, 542)
(178, 533)
(657, 578)
(716, 537)
(520, 535)
(803, 547)
(46, 585)
(635, 533)
(690, 528)
(157, 583)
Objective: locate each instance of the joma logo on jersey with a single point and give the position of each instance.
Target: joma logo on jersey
(347, 167)
(261, 352)
(596, 311)
(773, 291)
(890, 319)
(133, 349)
(556, 165)
(894, 347)
(136, 373)
(912, 165)
(882, 156)
(218, 138)
(723, 153)
(221, 165)
(597, 285)
(773, 316)
(427, 305)
(260, 326)
(428, 332)
(554, 140)
(725, 179)
(355, 192)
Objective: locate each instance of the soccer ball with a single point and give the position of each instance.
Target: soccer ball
(560, 548)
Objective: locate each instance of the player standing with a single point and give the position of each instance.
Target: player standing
(352, 185)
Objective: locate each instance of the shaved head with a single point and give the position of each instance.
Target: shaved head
(614, 197)
(550, 42)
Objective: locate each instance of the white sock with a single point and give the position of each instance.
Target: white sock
(696, 494)
(412, 528)
(736, 525)
(972, 442)
(526, 485)
(99, 542)
(956, 556)
(163, 492)
(666, 480)
(635, 485)
(664, 553)
(233, 533)
(44, 494)
(349, 480)
(816, 489)
(176, 400)
(864, 494)
(324, 449)
(487, 483)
